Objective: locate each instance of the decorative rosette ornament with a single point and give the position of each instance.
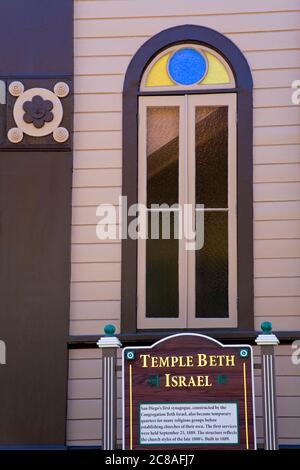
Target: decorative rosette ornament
(38, 112)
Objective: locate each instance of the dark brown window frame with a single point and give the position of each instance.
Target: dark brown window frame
(243, 89)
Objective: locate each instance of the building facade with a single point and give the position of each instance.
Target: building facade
(238, 118)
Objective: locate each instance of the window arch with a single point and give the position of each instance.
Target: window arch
(155, 73)
(187, 66)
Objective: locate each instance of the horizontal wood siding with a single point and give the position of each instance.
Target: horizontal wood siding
(107, 34)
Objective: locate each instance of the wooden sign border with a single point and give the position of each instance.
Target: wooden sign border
(179, 335)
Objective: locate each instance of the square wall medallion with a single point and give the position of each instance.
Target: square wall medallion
(36, 113)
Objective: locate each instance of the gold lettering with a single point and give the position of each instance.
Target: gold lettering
(221, 361)
(167, 380)
(202, 361)
(144, 358)
(213, 361)
(191, 382)
(203, 381)
(174, 361)
(181, 381)
(164, 362)
(189, 361)
(230, 361)
(174, 381)
(155, 362)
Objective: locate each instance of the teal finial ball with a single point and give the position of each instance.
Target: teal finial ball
(109, 330)
(266, 327)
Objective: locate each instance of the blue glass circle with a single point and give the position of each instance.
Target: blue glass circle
(187, 66)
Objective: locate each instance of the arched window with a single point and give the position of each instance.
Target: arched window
(187, 140)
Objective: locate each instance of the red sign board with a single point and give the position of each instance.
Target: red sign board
(188, 391)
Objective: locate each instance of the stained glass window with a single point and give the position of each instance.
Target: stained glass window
(185, 142)
(188, 66)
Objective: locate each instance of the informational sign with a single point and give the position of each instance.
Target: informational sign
(190, 392)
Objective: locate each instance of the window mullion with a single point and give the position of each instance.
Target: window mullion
(191, 197)
(186, 201)
(182, 261)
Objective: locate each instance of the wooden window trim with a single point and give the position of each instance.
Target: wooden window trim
(243, 79)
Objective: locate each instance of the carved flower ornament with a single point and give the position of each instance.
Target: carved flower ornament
(38, 111)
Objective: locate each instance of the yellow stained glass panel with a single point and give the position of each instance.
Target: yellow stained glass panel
(158, 75)
(217, 72)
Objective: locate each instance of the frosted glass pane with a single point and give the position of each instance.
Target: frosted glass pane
(162, 276)
(162, 155)
(212, 268)
(211, 136)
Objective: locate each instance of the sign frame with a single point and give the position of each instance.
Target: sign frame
(240, 346)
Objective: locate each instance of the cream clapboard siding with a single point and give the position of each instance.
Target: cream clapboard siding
(107, 34)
